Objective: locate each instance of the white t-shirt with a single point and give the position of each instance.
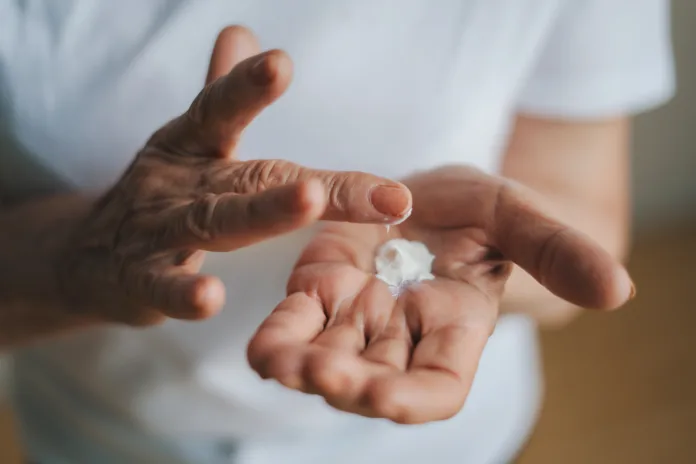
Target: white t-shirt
(385, 86)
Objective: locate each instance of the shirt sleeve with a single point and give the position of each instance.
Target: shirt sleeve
(603, 58)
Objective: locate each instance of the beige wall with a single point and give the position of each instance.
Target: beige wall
(665, 140)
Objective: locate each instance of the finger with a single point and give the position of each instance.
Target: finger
(414, 397)
(280, 345)
(564, 260)
(229, 221)
(351, 196)
(363, 312)
(338, 376)
(175, 293)
(444, 360)
(330, 365)
(348, 336)
(233, 45)
(460, 319)
(345, 330)
(219, 114)
(393, 345)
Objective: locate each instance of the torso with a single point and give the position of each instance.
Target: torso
(386, 86)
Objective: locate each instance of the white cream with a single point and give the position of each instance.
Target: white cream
(400, 263)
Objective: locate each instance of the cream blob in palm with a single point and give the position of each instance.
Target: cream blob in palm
(400, 263)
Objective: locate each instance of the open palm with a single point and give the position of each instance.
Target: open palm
(341, 333)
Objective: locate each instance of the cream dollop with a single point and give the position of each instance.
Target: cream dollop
(400, 263)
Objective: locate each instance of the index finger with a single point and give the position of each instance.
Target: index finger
(350, 196)
(229, 221)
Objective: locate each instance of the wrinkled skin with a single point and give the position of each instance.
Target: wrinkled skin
(135, 257)
(340, 333)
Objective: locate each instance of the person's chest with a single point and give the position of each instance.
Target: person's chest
(387, 86)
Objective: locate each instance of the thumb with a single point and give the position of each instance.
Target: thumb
(564, 260)
(233, 45)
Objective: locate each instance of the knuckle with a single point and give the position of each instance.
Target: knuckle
(337, 187)
(199, 219)
(548, 258)
(215, 176)
(259, 175)
(196, 113)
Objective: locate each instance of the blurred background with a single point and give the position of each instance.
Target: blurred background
(621, 388)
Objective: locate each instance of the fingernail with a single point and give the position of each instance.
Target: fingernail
(633, 292)
(390, 200)
(259, 72)
(401, 219)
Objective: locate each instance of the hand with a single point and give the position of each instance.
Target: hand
(340, 333)
(136, 256)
